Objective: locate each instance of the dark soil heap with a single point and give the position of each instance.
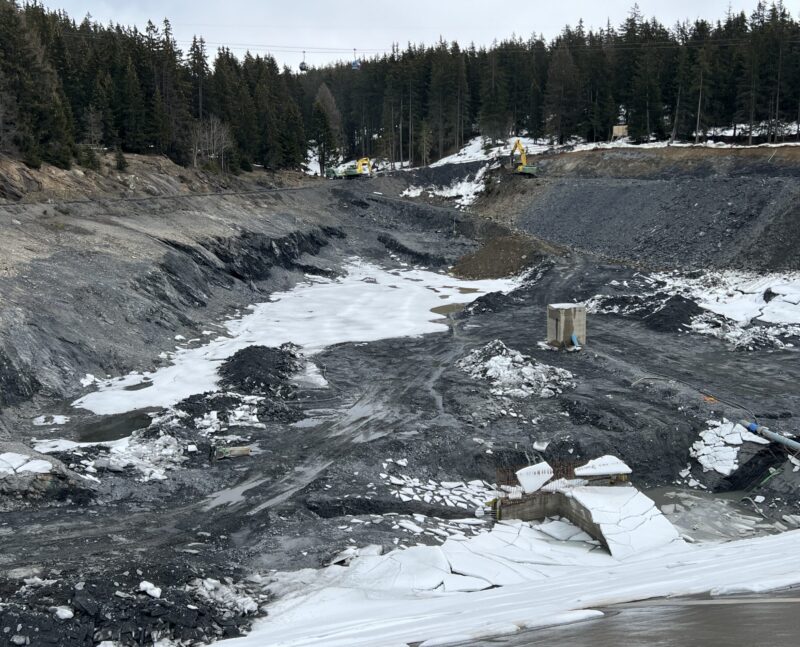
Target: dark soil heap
(261, 370)
(677, 312)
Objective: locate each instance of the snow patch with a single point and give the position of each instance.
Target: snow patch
(367, 304)
(744, 309)
(464, 191)
(472, 495)
(43, 421)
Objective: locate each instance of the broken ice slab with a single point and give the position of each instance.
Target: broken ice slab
(604, 466)
(534, 477)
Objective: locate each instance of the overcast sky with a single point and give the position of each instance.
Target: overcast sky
(329, 30)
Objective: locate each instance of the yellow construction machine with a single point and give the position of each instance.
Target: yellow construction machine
(522, 167)
(359, 168)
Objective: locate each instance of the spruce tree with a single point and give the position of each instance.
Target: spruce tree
(561, 98)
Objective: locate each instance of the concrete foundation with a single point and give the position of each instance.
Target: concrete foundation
(563, 321)
(549, 504)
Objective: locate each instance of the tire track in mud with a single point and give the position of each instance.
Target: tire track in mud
(371, 416)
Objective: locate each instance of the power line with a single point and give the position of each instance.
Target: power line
(505, 46)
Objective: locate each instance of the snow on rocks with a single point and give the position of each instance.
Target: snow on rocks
(464, 191)
(718, 446)
(744, 309)
(62, 613)
(150, 589)
(513, 374)
(226, 595)
(749, 337)
(151, 456)
(243, 415)
(603, 466)
(743, 297)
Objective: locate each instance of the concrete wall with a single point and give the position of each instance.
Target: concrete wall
(541, 505)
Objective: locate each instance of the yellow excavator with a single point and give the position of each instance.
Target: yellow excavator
(359, 168)
(523, 168)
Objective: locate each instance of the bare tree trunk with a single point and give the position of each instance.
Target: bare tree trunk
(752, 106)
(675, 119)
(393, 142)
(401, 129)
(778, 93)
(699, 106)
(410, 126)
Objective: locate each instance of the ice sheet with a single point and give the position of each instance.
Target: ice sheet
(603, 466)
(12, 463)
(368, 304)
(560, 582)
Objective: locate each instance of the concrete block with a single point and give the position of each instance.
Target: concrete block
(563, 321)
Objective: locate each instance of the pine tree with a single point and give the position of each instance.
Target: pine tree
(322, 132)
(495, 118)
(561, 99)
(130, 110)
(199, 72)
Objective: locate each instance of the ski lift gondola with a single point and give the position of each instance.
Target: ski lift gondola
(356, 62)
(303, 64)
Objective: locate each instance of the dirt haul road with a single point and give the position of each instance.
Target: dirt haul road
(336, 431)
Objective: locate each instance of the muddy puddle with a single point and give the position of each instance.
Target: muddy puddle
(114, 427)
(138, 387)
(448, 309)
(706, 516)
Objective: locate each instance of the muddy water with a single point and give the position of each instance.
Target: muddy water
(453, 308)
(112, 427)
(743, 622)
(448, 309)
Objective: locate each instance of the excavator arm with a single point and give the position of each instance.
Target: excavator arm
(523, 167)
(363, 166)
(523, 156)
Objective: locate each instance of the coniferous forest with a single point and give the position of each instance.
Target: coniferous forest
(69, 89)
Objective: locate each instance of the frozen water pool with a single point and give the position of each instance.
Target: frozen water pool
(676, 623)
(366, 304)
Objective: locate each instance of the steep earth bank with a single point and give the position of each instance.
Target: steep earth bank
(679, 207)
(663, 208)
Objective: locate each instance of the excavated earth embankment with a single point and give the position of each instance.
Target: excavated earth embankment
(379, 440)
(666, 208)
